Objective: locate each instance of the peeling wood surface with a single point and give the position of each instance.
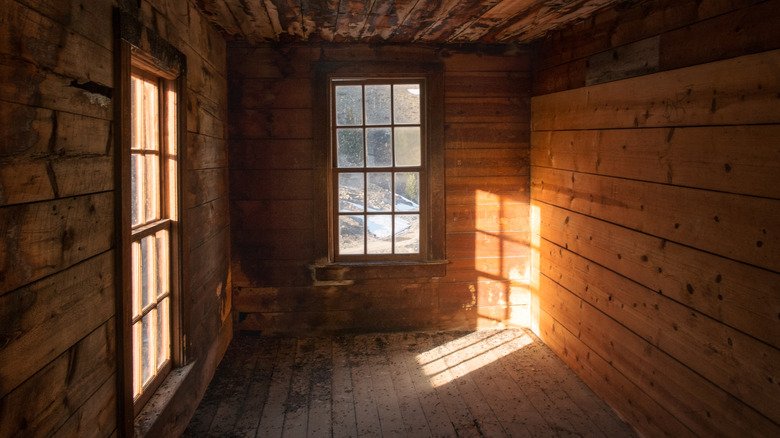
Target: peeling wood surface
(397, 21)
(468, 384)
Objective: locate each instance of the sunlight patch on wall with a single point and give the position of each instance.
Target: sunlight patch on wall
(536, 231)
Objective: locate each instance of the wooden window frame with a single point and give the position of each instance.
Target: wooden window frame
(133, 61)
(365, 170)
(431, 259)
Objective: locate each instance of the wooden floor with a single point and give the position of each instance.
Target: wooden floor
(453, 384)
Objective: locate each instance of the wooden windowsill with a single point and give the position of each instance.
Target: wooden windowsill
(333, 273)
(160, 400)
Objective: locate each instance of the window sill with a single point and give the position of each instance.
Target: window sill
(161, 400)
(334, 274)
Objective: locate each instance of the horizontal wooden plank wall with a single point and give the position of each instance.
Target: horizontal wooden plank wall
(273, 195)
(57, 282)
(655, 210)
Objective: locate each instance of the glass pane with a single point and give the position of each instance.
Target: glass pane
(350, 147)
(407, 191)
(148, 270)
(151, 120)
(152, 187)
(378, 148)
(407, 146)
(136, 177)
(351, 234)
(406, 104)
(147, 347)
(379, 191)
(349, 105)
(163, 286)
(377, 104)
(351, 192)
(407, 234)
(163, 327)
(137, 336)
(380, 233)
(136, 107)
(136, 274)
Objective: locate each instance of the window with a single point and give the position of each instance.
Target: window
(380, 164)
(153, 109)
(379, 172)
(149, 124)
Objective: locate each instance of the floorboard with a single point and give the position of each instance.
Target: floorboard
(499, 383)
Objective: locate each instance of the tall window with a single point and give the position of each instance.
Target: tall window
(379, 174)
(153, 200)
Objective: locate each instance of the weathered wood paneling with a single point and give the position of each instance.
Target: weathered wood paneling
(399, 21)
(273, 196)
(58, 371)
(655, 212)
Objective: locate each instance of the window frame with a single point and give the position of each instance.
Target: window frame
(365, 169)
(133, 61)
(431, 259)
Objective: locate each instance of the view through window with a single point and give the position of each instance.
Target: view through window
(379, 173)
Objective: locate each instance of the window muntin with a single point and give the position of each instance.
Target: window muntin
(378, 169)
(153, 190)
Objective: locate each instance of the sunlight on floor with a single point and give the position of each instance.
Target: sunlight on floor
(457, 358)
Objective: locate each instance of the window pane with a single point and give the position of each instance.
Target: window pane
(147, 271)
(351, 234)
(351, 192)
(407, 146)
(349, 105)
(136, 177)
(380, 233)
(163, 286)
(377, 104)
(407, 191)
(137, 357)
(407, 234)
(147, 347)
(136, 274)
(378, 147)
(406, 104)
(379, 192)
(151, 120)
(136, 112)
(350, 147)
(163, 333)
(152, 187)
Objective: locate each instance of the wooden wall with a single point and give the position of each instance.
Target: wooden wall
(57, 194)
(272, 185)
(655, 186)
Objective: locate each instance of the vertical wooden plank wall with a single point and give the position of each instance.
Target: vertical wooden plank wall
(57, 314)
(655, 187)
(273, 195)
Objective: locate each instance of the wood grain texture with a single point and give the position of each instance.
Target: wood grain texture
(736, 91)
(275, 157)
(403, 21)
(734, 226)
(700, 157)
(400, 384)
(617, 170)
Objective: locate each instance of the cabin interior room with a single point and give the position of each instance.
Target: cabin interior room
(389, 218)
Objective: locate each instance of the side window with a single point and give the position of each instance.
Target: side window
(151, 148)
(378, 169)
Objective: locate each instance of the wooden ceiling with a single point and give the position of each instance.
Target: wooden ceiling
(396, 21)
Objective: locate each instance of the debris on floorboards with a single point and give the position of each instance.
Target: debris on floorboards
(489, 383)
